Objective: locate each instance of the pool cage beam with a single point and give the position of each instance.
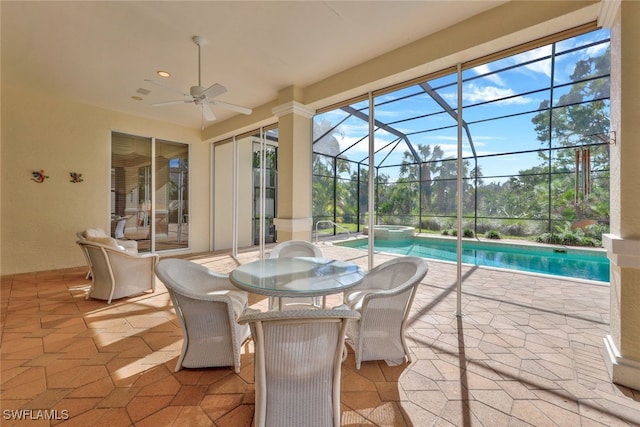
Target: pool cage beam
(428, 89)
(463, 125)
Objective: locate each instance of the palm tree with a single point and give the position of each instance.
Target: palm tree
(430, 164)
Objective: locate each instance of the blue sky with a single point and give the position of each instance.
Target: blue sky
(510, 86)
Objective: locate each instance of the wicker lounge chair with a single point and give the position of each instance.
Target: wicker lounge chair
(115, 271)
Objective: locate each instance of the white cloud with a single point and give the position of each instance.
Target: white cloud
(494, 78)
(474, 93)
(543, 67)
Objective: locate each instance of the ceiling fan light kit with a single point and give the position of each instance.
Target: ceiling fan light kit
(200, 96)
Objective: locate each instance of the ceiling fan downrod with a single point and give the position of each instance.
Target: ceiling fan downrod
(199, 41)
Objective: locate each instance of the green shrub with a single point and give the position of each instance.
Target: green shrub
(445, 232)
(571, 238)
(492, 234)
(467, 232)
(550, 238)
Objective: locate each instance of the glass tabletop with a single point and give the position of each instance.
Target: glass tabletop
(302, 276)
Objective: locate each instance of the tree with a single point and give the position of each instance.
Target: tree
(429, 165)
(578, 121)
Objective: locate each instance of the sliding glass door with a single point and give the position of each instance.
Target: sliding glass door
(150, 192)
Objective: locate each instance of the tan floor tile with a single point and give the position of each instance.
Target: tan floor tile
(142, 406)
(77, 377)
(363, 402)
(189, 395)
(119, 397)
(27, 384)
(355, 381)
(100, 417)
(529, 411)
(74, 406)
(527, 352)
(388, 391)
(241, 416)
(229, 384)
(99, 388)
(167, 416)
(220, 404)
(387, 415)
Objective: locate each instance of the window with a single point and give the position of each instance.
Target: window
(150, 192)
(535, 130)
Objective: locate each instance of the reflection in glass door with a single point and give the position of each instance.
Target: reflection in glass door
(157, 220)
(270, 187)
(172, 195)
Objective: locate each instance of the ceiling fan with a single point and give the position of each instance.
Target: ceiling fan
(200, 96)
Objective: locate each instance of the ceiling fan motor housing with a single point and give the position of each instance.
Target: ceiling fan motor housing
(196, 91)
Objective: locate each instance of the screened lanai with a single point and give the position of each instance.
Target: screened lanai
(534, 134)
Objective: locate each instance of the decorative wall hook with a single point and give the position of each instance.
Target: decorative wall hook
(39, 176)
(75, 177)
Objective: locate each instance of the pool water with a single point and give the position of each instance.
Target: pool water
(558, 261)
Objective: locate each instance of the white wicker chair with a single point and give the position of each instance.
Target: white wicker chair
(293, 249)
(298, 359)
(116, 273)
(97, 234)
(383, 300)
(207, 306)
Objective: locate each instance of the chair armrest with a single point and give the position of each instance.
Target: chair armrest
(356, 300)
(129, 245)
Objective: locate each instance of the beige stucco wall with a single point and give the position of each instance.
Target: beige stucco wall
(625, 176)
(39, 221)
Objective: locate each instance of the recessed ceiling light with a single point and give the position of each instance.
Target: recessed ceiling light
(165, 74)
(136, 98)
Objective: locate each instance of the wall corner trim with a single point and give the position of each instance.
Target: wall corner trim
(622, 371)
(608, 12)
(293, 107)
(622, 252)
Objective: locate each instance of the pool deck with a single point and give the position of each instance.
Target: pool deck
(528, 351)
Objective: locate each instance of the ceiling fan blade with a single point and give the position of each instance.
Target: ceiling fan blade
(166, 87)
(162, 104)
(232, 107)
(207, 113)
(214, 90)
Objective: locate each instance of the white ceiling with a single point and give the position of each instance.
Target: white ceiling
(100, 53)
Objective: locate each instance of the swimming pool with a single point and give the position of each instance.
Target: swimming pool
(563, 261)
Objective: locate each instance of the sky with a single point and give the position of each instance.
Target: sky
(511, 88)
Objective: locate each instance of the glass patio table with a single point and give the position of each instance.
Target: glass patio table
(296, 277)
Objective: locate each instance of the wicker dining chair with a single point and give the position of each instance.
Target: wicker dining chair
(292, 249)
(207, 306)
(383, 300)
(297, 362)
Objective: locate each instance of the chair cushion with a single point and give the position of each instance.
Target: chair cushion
(93, 232)
(106, 240)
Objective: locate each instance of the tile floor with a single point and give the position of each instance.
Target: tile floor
(527, 352)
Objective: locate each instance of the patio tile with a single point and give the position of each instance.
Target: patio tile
(528, 351)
